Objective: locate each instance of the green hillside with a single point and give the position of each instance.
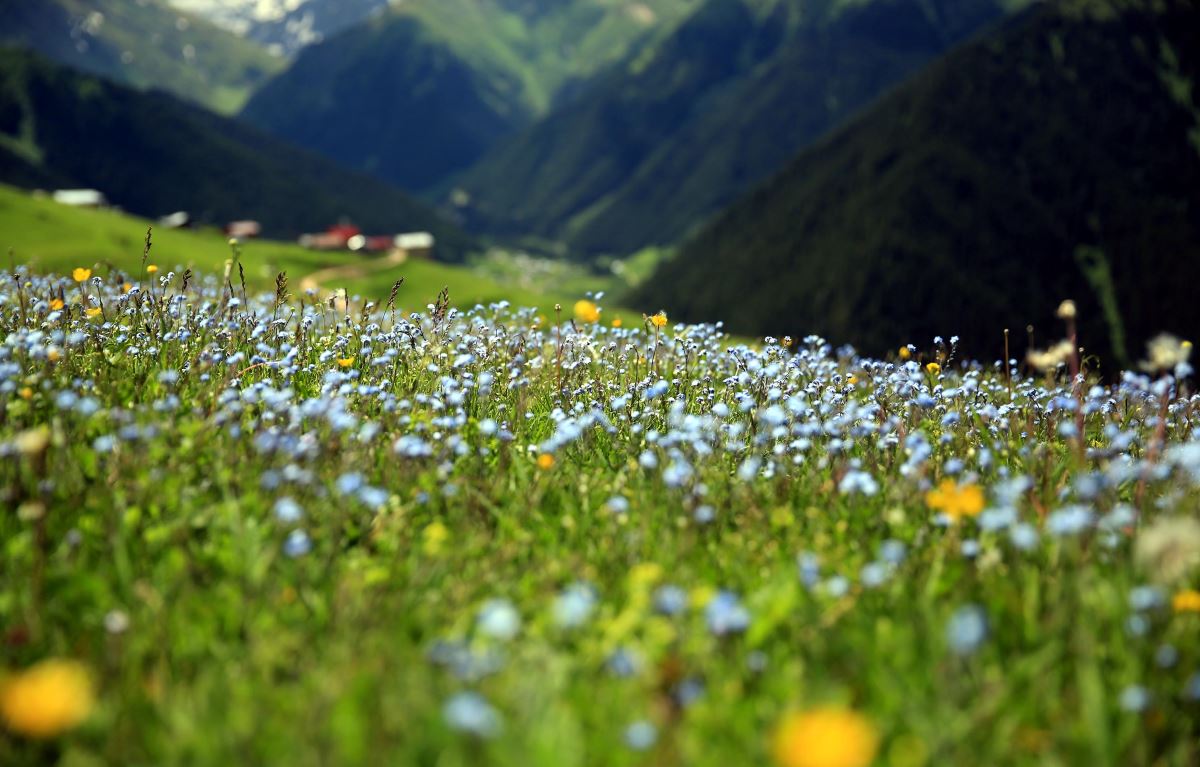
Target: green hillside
(153, 154)
(1059, 157)
(719, 105)
(146, 44)
(55, 238)
(426, 88)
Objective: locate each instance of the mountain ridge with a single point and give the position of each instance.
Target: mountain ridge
(450, 77)
(668, 141)
(152, 154)
(284, 26)
(1057, 158)
(143, 44)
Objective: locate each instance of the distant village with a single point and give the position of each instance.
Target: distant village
(340, 236)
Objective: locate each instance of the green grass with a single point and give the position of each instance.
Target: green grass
(52, 237)
(272, 533)
(55, 238)
(640, 266)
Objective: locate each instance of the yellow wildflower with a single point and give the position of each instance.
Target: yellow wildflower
(616, 323)
(644, 575)
(345, 362)
(26, 393)
(434, 537)
(81, 274)
(1186, 601)
(954, 500)
(93, 312)
(852, 380)
(126, 287)
(701, 595)
(47, 699)
(934, 369)
(151, 269)
(545, 461)
(56, 304)
(824, 737)
(905, 353)
(586, 311)
(659, 320)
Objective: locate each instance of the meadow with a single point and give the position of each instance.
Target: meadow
(247, 525)
(47, 237)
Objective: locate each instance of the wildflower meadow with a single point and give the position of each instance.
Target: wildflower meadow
(246, 526)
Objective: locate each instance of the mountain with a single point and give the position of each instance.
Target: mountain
(142, 43)
(284, 26)
(152, 154)
(721, 104)
(423, 89)
(1057, 158)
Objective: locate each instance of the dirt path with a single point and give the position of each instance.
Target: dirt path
(345, 272)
